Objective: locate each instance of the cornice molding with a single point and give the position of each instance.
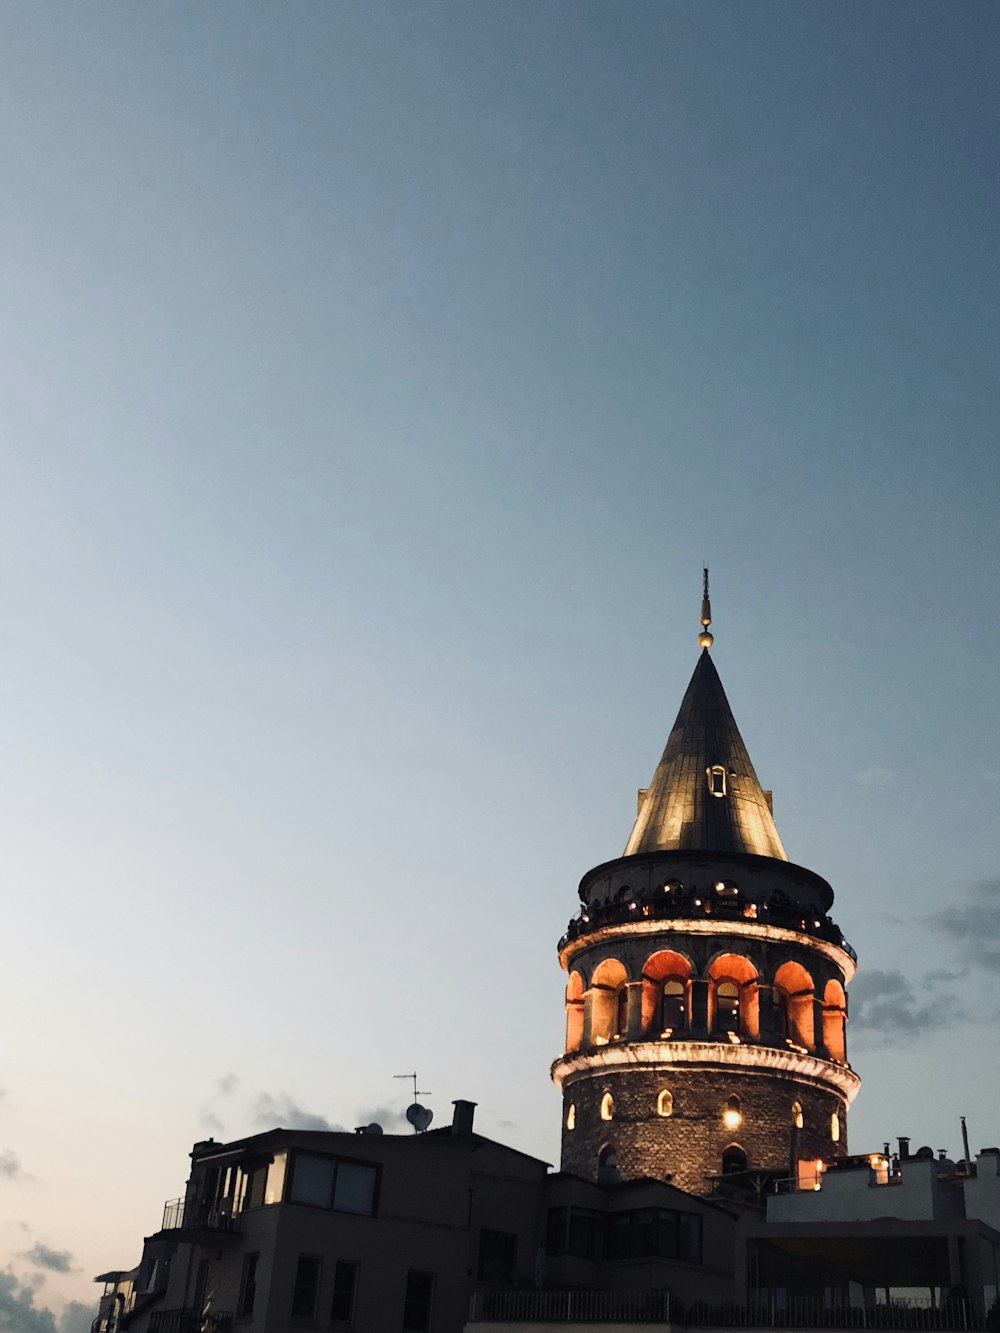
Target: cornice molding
(746, 1058)
(743, 929)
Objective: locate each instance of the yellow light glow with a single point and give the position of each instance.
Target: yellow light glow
(732, 1119)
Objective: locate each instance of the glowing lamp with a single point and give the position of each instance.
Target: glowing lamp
(732, 1119)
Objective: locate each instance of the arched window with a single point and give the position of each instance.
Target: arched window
(621, 1012)
(835, 1128)
(797, 1115)
(733, 1159)
(607, 1107)
(727, 1007)
(716, 779)
(665, 1104)
(674, 1015)
(607, 1164)
(571, 1116)
(732, 1114)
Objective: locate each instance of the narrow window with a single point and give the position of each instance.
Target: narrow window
(665, 1104)
(835, 1128)
(607, 1107)
(732, 1115)
(248, 1286)
(417, 1302)
(733, 1159)
(716, 780)
(607, 1165)
(621, 1013)
(306, 1286)
(674, 1008)
(345, 1281)
(727, 1007)
(797, 1114)
(571, 1116)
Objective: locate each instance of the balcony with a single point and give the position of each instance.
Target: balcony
(515, 1308)
(190, 1321)
(669, 907)
(194, 1216)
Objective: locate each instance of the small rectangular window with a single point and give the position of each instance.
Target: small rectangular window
(717, 780)
(497, 1257)
(345, 1281)
(417, 1303)
(556, 1240)
(248, 1285)
(306, 1286)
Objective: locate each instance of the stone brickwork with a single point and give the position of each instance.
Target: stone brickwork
(688, 1145)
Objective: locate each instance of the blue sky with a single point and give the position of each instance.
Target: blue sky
(375, 381)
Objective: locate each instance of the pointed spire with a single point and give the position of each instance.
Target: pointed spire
(705, 795)
(705, 638)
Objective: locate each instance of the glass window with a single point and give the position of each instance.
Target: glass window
(248, 1285)
(689, 1236)
(727, 1007)
(571, 1116)
(556, 1231)
(328, 1182)
(717, 780)
(665, 1104)
(733, 1159)
(417, 1302)
(355, 1189)
(306, 1286)
(497, 1257)
(275, 1186)
(674, 1008)
(797, 1119)
(312, 1181)
(345, 1281)
(618, 1236)
(666, 1234)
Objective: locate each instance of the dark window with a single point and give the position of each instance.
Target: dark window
(345, 1281)
(674, 1008)
(417, 1303)
(497, 1257)
(727, 1007)
(557, 1231)
(248, 1286)
(621, 1021)
(586, 1230)
(689, 1237)
(733, 1159)
(329, 1182)
(618, 1246)
(306, 1286)
(645, 1232)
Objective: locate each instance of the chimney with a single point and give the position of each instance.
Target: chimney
(904, 1147)
(461, 1121)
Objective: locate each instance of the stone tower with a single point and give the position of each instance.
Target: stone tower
(706, 1006)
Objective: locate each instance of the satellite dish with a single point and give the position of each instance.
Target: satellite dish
(373, 1128)
(419, 1117)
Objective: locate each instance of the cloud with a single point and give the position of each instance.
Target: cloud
(43, 1256)
(76, 1318)
(271, 1112)
(18, 1311)
(972, 922)
(10, 1167)
(226, 1084)
(889, 1005)
(223, 1086)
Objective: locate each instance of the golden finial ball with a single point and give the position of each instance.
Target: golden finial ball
(705, 639)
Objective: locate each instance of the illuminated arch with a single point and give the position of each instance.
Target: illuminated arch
(665, 1103)
(734, 1005)
(574, 1012)
(601, 1002)
(794, 991)
(797, 1120)
(607, 1107)
(834, 1020)
(662, 969)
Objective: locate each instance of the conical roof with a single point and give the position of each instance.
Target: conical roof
(705, 795)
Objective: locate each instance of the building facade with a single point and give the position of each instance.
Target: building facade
(706, 1002)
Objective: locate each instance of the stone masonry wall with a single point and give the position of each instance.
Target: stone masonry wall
(688, 1145)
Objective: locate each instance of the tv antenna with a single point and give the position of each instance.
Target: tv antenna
(418, 1116)
(416, 1094)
